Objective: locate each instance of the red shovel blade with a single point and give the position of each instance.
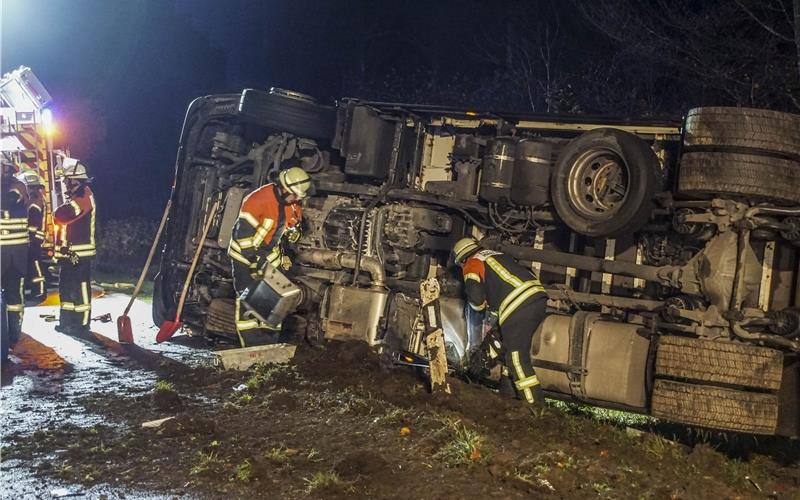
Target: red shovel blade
(124, 330)
(167, 330)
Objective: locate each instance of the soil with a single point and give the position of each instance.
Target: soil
(340, 422)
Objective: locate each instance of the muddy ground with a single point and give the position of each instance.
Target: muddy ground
(337, 422)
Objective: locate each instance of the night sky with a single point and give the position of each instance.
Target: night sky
(122, 72)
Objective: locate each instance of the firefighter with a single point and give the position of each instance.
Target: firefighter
(74, 250)
(36, 233)
(13, 247)
(268, 215)
(515, 302)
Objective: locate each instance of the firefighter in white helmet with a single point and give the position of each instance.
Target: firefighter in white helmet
(36, 232)
(75, 249)
(14, 242)
(268, 216)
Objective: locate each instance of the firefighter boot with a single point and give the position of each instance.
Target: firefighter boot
(506, 388)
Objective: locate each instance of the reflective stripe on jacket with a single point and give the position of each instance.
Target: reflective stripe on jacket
(76, 225)
(14, 213)
(498, 282)
(263, 218)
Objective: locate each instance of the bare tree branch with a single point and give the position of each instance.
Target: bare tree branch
(761, 23)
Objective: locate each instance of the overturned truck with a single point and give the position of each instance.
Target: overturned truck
(669, 249)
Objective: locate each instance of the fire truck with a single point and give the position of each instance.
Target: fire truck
(26, 135)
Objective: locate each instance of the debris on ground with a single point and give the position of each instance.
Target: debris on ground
(326, 426)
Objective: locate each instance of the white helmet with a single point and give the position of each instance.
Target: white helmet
(75, 171)
(30, 178)
(295, 180)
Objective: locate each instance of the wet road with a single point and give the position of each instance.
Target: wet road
(50, 372)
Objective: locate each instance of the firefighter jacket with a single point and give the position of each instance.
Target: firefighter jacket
(496, 281)
(36, 220)
(75, 221)
(263, 219)
(14, 215)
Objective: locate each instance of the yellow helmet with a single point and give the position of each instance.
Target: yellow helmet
(295, 180)
(463, 248)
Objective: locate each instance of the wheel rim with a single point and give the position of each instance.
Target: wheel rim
(598, 184)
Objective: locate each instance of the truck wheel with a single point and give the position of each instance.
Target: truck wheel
(604, 182)
(712, 361)
(287, 111)
(763, 178)
(715, 407)
(733, 129)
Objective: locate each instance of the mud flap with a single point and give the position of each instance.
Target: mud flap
(434, 335)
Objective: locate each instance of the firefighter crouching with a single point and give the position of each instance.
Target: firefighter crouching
(74, 250)
(267, 216)
(13, 247)
(515, 299)
(36, 233)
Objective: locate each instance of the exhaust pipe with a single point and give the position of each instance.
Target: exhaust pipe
(335, 260)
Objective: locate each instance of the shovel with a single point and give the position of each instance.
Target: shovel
(124, 330)
(168, 328)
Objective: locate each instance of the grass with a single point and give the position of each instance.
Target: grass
(614, 417)
(278, 455)
(463, 447)
(206, 462)
(262, 372)
(244, 472)
(326, 480)
(164, 386)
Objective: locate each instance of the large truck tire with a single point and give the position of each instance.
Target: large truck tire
(738, 129)
(286, 111)
(715, 407)
(712, 361)
(757, 177)
(221, 316)
(604, 182)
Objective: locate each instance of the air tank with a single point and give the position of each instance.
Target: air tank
(497, 169)
(531, 179)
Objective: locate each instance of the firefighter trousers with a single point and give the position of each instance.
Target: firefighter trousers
(249, 329)
(517, 333)
(35, 276)
(75, 290)
(13, 259)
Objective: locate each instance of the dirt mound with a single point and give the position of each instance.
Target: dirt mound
(341, 422)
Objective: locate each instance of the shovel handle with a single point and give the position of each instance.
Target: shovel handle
(209, 220)
(138, 287)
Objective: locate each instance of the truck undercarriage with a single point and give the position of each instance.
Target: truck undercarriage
(669, 249)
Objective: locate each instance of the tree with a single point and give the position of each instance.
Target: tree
(741, 52)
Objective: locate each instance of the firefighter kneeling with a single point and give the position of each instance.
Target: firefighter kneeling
(74, 250)
(267, 216)
(515, 299)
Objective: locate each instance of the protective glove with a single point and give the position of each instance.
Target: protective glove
(293, 234)
(71, 255)
(477, 364)
(492, 320)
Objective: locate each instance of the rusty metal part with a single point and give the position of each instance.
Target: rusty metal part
(627, 303)
(335, 260)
